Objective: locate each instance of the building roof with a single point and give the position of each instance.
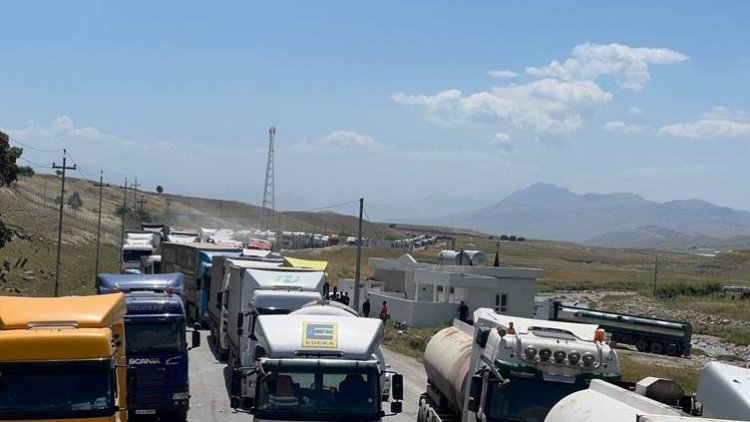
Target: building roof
(407, 263)
(86, 311)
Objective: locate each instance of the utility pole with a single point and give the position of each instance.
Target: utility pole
(656, 271)
(99, 221)
(122, 219)
(60, 222)
(135, 187)
(357, 273)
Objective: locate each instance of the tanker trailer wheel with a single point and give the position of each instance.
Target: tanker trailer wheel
(642, 345)
(657, 348)
(673, 349)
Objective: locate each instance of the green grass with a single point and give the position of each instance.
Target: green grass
(412, 343)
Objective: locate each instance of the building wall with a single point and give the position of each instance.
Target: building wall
(394, 280)
(415, 314)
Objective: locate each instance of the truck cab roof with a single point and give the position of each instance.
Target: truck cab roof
(83, 311)
(127, 283)
(285, 278)
(149, 303)
(329, 336)
(76, 327)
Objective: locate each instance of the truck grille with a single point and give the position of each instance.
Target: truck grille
(151, 378)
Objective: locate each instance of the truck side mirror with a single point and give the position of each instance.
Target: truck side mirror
(397, 386)
(475, 393)
(218, 300)
(396, 407)
(240, 321)
(252, 329)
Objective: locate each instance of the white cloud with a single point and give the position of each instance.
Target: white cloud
(635, 110)
(502, 73)
(720, 122)
(502, 142)
(629, 66)
(349, 139)
(62, 129)
(544, 107)
(622, 127)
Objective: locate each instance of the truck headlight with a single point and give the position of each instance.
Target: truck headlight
(559, 356)
(545, 354)
(530, 352)
(181, 396)
(574, 357)
(588, 359)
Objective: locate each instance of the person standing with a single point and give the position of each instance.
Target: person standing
(346, 298)
(385, 315)
(366, 308)
(463, 312)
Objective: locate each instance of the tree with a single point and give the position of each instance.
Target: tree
(75, 201)
(26, 171)
(159, 189)
(8, 174)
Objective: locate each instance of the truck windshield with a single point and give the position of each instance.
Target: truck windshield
(317, 395)
(59, 390)
(134, 255)
(154, 337)
(526, 400)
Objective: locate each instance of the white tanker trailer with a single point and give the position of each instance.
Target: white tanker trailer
(509, 368)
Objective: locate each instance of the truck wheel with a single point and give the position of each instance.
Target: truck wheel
(657, 348)
(642, 345)
(175, 417)
(673, 349)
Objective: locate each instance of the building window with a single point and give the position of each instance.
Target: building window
(501, 303)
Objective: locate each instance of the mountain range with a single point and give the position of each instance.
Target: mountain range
(546, 211)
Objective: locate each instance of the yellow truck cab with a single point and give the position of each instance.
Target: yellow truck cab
(63, 359)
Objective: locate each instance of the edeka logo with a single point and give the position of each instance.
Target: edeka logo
(320, 335)
(144, 361)
(288, 279)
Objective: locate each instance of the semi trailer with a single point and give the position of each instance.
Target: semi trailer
(63, 359)
(506, 368)
(157, 349)
(194, 260)
(658, 336)
(320, 363)
(218, 313)
(253, 292)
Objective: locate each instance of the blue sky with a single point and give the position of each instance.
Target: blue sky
(392, 101)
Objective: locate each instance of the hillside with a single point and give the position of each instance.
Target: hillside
(546, 211)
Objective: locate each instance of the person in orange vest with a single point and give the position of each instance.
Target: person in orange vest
(384, 313)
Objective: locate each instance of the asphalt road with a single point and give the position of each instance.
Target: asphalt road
(209, 387)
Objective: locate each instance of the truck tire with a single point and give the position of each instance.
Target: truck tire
(673, 349)
(642, 345)
(175, 417)
(657, 348)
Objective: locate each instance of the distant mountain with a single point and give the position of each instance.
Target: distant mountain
(547, 211)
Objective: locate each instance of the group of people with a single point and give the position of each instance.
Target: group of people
(342, 298)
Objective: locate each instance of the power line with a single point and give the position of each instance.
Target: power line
(34, 164)
(34, 148)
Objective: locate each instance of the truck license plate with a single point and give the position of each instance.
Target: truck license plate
(145, 411)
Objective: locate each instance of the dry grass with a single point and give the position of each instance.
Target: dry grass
(636, 367)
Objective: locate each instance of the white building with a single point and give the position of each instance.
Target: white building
(423, 294)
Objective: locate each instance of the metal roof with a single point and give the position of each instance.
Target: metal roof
(87, 311)
(343, 337)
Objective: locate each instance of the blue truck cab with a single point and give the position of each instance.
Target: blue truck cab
(155, 343)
